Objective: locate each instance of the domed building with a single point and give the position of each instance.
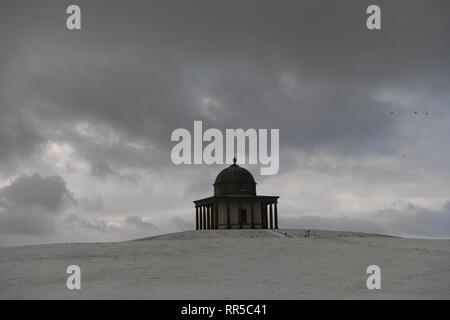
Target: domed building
(235, 204)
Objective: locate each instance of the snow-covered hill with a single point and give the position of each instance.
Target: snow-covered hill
(232, 264)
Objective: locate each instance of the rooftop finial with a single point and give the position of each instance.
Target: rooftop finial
(234, 160)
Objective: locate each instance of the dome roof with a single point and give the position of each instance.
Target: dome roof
(235, 174)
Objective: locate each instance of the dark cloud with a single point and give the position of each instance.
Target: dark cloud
(95, 204)
(74, 221)
(101, 170)
(118, 229)
(140, 223)
(342, 223)
(115, 90)
(416, 220)
(181, 224)
(49, 193)
(412, 220)
(160, 65)
(19, 140)
(30, 204)
(100, 225)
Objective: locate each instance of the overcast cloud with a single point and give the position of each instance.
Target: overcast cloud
(86, 116)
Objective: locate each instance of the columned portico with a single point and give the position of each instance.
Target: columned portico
(235, 204)
(227, 212)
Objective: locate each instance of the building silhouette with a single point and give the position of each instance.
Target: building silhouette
(235, 204)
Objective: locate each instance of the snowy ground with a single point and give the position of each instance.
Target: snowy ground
(231, 264)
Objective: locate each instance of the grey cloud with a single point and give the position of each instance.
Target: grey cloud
(95, 204)
(101, 170)
(412, 221)
(271, 67)
(74, 221)
(30, 204)
(131, 226)
(49, 193)
(32, 222)
(416, 220)
(140, 223)
(181, 224)
(115, 90)
(19, 140)
(342, 223)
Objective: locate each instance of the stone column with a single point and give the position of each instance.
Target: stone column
(216, 216)
(200, 218)
(211, 222)
(253, 215)
(211, 217)
(204, 217)
(263, 216)
(228, 216)
(213, 213)
(240, 215)
(207, 217)
(196, 218)
(276, 215)
(271, 216)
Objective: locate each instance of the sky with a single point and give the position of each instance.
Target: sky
(86, 115)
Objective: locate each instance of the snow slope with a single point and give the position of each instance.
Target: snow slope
(232, 264)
